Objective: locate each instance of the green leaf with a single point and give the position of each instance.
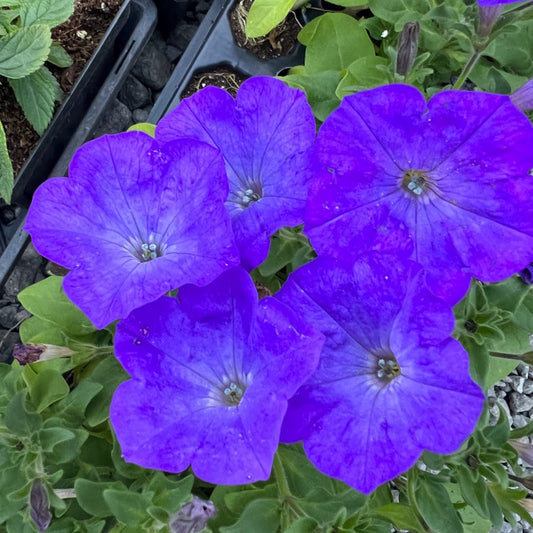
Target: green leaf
(474, 491)
(434, 504)
(498, 369)
(58, 56)
(168, 494)
(51, 437)
(47, 301)
(364, 73)
(508, 500)
(349, 3)
(319, 89)
(334, 41)
(143, 126)
(402, 516)
(90, 496)
(479, 360)
(265, 15)
(128, 507)
(6, 168)
(47, 387)
(266, 508)
(18, 419)
(24, 51)
(49, 12)
(398, 12)
(36, 94)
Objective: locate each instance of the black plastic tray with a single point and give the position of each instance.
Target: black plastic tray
(213, 46)
(77, 117)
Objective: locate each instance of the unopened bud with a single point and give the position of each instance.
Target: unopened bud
(407, 48)
(31, 353)
(39, 510)
(193, 516)
(488, 15)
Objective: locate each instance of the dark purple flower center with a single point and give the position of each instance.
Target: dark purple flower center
(415, 181)
(387, 368)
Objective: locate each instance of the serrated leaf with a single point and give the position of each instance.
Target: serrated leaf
(36, 94)
(24, 51)
(58, 56)
(48, 12)
(334, 41)
(265, 15)
(6, 168)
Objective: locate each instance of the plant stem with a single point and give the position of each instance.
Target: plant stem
(467, 69)
(432, 3)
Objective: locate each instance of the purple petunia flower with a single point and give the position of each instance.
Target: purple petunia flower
(453, 170)
(495, 2)
(391, 382)
(265, 135)
(133, 221)
(211, 378)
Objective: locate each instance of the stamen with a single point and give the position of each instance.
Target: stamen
(388, 368)
(233, 394)
(415, 181)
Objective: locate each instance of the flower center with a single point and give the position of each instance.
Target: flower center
(145, 251)
(388, 368)
(252, 193)
(415, 181)
(233, 394)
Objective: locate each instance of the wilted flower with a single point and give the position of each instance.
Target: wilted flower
(265, 136)
(31, 353)
(133, 221)
(212, 375)
(391, 382)
(193, 516)
(454, 170)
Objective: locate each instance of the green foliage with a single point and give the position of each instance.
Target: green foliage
(25, 45)
(6, 168)
(144, 126)
(265, 15)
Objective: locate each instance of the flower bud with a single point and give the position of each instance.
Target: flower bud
(407, 48)
(39, 503)
(488, 15)
(31, 353)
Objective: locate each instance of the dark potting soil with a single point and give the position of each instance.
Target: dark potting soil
(229, 80)
(279, 42)
(79, 36)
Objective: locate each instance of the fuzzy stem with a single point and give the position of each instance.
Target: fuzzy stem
(467, 69)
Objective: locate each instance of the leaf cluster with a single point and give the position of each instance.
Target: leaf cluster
(25, 45)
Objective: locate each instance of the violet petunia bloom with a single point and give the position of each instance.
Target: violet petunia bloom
(266, 136)
(212, 375)
(391, 382)
(454, 170)
(133, 221)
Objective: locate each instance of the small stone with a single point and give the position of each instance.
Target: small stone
(8, 316)
(172, 53)
(152, 68)
(116, 120)
(139, 115)
(501, 394)
(520, 403)
(23, 274)
(520, 421)
(523, 369)
(517, 383)
(134, 94)
(181, 35)
(8, 339)
(528, 386)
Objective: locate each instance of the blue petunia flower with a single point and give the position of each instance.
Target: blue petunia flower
(454, 171)
(212, 375)
(266, 136)
(391, 382)
(133, 221)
